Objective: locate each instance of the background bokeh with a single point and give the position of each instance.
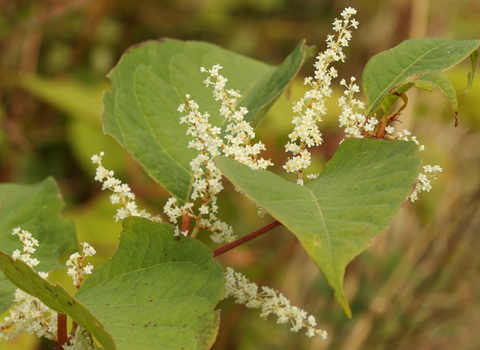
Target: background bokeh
(416, 287)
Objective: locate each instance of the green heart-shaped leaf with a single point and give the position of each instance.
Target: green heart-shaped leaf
(158, 291)
(151, 81)
(335, 216)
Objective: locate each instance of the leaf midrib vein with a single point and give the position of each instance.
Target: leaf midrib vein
(322, 219)
(402, 73)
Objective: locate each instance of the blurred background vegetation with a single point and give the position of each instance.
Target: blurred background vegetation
(416, 287)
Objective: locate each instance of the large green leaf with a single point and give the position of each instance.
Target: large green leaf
(158, 291)
(150, 82)
(35, 208)
(388, 70)
(335, 216)
(54, 296)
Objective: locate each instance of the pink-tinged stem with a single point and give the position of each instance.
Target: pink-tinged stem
(246, 238)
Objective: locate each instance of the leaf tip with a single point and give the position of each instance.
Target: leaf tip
(342, 300)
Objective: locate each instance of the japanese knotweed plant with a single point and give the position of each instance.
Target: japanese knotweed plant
(161, 288)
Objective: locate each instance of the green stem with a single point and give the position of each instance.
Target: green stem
(195, 229)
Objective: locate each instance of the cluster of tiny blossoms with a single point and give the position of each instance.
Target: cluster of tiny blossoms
(356, 125)
(311, 107)
(75, 262)
(28, 243)
(270, 302)
(423, 182)
(429, 172)
(122, 193)
(82, 340)
(30, 314)
(239, 132)
(207, 140)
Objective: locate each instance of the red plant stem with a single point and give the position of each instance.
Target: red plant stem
(61, 330)
(246, 238)
(185, 223)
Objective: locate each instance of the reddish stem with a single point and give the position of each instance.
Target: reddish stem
(246, 238)
(185, 223)
(61, 330)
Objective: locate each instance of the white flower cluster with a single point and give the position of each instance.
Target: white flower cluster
(423, 181)
(75, 262)
(311, 107)
(122, 193)
(239, 132)
(355, 123)
(207, 140)
(207, 177)
(403, 135)
(28, 244)
(270, 302)
(29, 314)
(82, 340)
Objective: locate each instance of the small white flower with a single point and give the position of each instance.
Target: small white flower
(122, 193)
(389, 129)
(76, 260)
(423, 183)
(88, 250)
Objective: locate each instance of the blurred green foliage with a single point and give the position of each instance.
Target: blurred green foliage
(416, 287)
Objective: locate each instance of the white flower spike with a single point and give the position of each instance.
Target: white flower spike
(207, 140)
(270, 302)
(122, 193)
(311, 107)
